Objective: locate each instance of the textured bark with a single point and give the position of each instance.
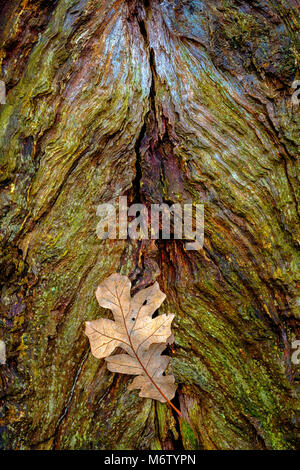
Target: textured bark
(165, 101)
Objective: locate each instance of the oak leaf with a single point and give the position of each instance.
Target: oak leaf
(142, 337)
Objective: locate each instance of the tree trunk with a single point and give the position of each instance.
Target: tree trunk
(162, 101)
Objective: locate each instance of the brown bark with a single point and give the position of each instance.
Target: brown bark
(163, 102)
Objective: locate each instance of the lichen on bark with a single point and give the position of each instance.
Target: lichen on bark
(162, 101)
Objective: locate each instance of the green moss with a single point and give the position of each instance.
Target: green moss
(189, 439)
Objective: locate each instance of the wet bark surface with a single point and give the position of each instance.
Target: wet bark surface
(162, 101)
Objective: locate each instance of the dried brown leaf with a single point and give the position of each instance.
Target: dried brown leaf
(142, 337)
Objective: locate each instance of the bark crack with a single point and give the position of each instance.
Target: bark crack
(69, 401)
(150, 126)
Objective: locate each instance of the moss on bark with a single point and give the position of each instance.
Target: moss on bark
(166, 101)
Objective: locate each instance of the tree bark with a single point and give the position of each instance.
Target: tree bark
(162, 101)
